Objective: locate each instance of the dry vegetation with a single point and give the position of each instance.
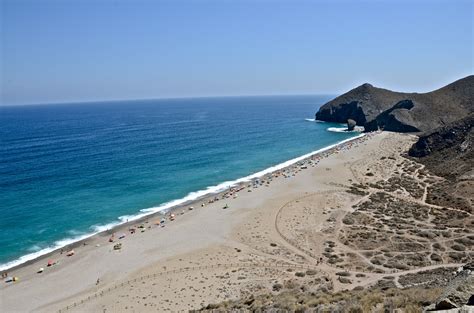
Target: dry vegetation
(372, 300)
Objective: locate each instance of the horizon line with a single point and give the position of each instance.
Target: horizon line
(162, 98)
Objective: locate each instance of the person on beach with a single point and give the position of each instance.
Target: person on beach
(98, 281)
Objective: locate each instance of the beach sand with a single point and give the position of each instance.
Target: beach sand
(293, 224)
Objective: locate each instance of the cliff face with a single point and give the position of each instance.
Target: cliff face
(376, 108)
(448, 152)
(452, 141)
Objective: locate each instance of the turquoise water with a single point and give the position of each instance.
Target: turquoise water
(70, 170)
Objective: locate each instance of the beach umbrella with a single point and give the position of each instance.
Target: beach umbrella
(50, 262)
(40, 270)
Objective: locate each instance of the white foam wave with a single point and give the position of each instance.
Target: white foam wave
(145, 212)
(357, 129)
(313, 120)
(74, 232)
(34, 255)
(34, 248)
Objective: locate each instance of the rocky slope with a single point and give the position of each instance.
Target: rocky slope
(448, 152)
(453, 294)
(458, 296)
(376, 108)
(292, 298)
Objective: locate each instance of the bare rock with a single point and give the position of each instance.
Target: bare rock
(344, 280)
(351, 124)
(377, 108)
(459, 293)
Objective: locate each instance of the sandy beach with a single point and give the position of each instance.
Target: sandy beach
(303, 225)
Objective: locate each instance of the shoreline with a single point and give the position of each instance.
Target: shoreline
(255, 237)
(168, 207)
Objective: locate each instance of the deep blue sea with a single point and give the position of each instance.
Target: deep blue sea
(72, 169)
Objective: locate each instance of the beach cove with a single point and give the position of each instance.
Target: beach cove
(208, 238)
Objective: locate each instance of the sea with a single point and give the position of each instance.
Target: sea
(68, 171)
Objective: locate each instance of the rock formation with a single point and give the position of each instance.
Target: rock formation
(376, 108)
(448, 151)
(351, 124)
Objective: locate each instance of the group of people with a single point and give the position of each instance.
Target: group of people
(266, 180)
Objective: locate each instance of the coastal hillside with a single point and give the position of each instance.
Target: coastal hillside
(376, 108)
(455, 293)
(448, 152)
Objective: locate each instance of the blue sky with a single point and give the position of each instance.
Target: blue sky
(79, 50)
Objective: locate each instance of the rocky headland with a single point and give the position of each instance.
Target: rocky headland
(376, 108)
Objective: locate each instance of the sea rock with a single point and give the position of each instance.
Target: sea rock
(351, 124)
(377, 108)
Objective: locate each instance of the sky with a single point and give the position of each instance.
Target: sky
(83, 50)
